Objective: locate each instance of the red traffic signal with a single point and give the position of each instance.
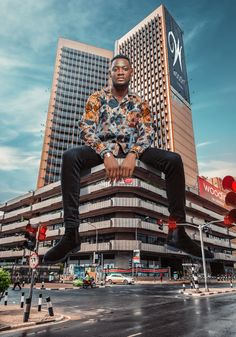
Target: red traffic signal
(230, 218)
(42, 233)
(229, 183)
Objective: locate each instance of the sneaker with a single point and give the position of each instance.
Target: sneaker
(177, 239)
(69, 243)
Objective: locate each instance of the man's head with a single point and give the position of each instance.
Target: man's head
(120, 71)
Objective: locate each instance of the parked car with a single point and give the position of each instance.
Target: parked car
(119, 278)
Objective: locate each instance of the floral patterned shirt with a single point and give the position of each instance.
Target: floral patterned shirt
(108, 125)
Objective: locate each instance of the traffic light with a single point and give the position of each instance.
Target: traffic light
(42, 233)
(30, 236)
(229, 183)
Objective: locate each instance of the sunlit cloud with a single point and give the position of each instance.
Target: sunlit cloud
(203, 144)
(15, 159)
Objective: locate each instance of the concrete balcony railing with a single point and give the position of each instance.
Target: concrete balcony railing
(11, 253)
(85, 226)
(225, 257)
(93, 247)
(12, 239)
(213, 241)
(47, 203)
(47, 218)
(124, 245)
(18, 212)
(136, 223)
(14, 227)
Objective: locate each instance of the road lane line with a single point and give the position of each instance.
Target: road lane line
(136, 334)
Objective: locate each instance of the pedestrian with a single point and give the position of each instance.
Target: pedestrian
(161, 277)
(117, 123)
(16, 280)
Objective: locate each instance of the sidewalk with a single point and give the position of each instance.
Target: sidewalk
(11, 317)
(210, 292)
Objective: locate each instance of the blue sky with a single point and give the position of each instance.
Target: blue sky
(29, 33)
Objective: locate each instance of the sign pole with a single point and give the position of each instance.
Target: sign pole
(33, 263)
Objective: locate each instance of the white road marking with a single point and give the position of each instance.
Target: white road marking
(136, 334)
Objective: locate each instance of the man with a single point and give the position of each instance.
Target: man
(118, 123)
(16, 279)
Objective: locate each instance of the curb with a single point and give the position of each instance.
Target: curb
(30, 324)
(210, 293)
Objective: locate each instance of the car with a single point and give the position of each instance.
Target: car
(119, 278)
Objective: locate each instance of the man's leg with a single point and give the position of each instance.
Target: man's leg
(171, 164)
(73, 162)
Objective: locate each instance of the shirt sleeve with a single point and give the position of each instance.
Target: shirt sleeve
(145, 131)
(88, 125)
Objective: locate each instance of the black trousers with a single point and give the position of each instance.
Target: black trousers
(83, 157)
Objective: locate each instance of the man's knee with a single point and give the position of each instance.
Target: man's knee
(71, 154)
(175, 159)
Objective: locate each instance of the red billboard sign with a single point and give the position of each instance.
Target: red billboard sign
(210, 192)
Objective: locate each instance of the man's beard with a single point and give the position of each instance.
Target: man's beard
(120, 86)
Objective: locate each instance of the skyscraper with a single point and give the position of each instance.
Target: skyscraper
(80, 69)
(155, 47)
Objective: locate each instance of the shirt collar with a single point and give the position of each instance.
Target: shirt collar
(129, 96)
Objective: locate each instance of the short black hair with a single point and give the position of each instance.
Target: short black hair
(121, 56)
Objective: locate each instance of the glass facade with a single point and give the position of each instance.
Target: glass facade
(145, 49)
(80, 74)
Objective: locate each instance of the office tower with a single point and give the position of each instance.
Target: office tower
(155, 47)
(80, 69)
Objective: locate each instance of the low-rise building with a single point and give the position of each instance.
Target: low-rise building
(116, 220)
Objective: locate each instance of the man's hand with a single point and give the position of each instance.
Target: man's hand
(112, 167)
(127, 166)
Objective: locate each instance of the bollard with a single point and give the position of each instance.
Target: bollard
(5, 297)
(183, 287)
(42, 285)
(23, 284)
(22, 300)
(49, 306)
(196, 284)
(27, 310)
(191, 284)
(231, 284)
(40, 302)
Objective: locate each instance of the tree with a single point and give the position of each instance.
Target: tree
(5, 281)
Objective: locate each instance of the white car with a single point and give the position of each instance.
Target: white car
(119, 278)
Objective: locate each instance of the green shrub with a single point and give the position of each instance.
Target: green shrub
(78, 283)
(5, 281)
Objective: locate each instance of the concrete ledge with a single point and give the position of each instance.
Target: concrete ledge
(36, 318)
(211, 292)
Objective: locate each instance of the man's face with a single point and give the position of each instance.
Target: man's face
(121, 73)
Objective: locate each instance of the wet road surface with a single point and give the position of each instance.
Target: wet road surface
(138, 310)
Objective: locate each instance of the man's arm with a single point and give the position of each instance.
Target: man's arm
(144, 141)
(145, 131)
(88, 125)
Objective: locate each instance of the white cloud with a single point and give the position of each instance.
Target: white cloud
(16, 159)
(205, 143)
(29, 22)
(217, 168)
(25, 111)
(196, 30)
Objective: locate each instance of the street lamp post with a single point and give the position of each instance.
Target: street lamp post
(96, 240)
(200, 228)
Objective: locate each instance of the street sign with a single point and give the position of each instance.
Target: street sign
(33, 260)
(136, 256)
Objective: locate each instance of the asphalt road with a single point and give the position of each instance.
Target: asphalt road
(137, 310)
